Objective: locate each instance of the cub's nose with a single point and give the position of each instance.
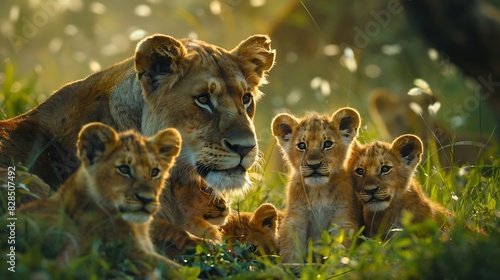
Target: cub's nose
(314, 166)
(145, 198)
(221, 207)
(371, 190)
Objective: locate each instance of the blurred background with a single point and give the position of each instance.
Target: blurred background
(330, 54)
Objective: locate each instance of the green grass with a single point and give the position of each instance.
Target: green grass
(472, 193)
(17, 93)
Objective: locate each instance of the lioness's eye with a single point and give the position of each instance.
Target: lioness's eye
(385, 169)
(327, 144)
(247, 99)
(360, 171)
(203, 99)
(301, 146)
(155, 172)
(124, 170)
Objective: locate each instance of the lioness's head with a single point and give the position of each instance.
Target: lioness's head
(316, 145)
(382, 171)
(396, 115)
(126, 172)
(209, 95)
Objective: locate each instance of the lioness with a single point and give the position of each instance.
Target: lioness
(204, 91)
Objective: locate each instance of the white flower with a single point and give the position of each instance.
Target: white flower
(415, 107)
(421, 83)
(462, 172)
(434, 108)
(415, 91)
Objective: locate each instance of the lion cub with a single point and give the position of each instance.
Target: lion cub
(260, 228)
(112, 196)
(383, 180)
(199, 215)
(319, 193)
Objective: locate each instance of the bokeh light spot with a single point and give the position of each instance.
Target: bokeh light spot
(142, 11)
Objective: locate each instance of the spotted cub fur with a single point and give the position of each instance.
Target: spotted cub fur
(384, 182)
(260, 228)
(109, 201)
(319, 193)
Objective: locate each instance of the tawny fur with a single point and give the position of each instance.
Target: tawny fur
(319, 193)
(111, 197)
(383, 179)
(259, 228)
(207, 93)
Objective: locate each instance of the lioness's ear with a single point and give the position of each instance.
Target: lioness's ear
(283, 126)
(266, 216)
(159, 55)
(93, 141)
(166, 144)
(255, 57)
(382, 99)
(347, 121)
(409, 147)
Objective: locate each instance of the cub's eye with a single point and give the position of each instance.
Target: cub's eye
(385, 169)
(124, 170)
(155, 173)
(360, 171)
(247, 99)
(301, 146)
(327, 144)
(203, 99)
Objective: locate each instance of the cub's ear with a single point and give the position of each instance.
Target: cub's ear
(94, 140)
(283, 126)
(409, 147)
(255, 57)
(266, 216)
(159, 55)
(347, 121)
(166, 144)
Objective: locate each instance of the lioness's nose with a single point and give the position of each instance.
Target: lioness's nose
(239, 149)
